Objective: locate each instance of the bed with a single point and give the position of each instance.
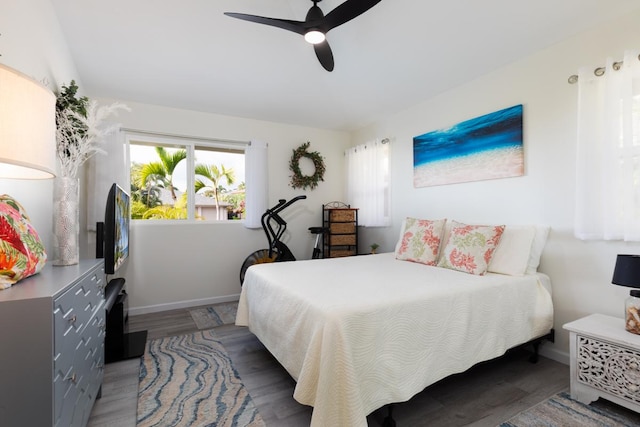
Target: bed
(362, 332)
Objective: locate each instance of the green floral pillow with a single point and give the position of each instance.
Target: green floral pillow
(21, 251)
(420, 240)
(470, 247)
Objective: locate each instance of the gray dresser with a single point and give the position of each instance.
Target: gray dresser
(52, 329)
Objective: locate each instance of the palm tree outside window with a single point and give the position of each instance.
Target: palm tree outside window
(186, 180)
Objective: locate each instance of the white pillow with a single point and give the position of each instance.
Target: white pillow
(513, 253)
(540, 239)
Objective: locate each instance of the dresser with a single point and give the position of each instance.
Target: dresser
(52, 329)
(605, 361)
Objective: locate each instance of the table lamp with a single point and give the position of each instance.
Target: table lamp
(27, 127)
(627, 273)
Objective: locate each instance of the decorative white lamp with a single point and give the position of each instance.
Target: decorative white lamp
(27, 127)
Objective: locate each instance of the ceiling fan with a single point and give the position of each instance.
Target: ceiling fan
(316, 25)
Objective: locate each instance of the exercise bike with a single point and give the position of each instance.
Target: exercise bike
(274, 227)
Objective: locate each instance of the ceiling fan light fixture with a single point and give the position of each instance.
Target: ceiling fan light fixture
(314, 36)
(316, 25)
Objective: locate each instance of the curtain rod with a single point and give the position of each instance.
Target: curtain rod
(598, 71)
(177, 136)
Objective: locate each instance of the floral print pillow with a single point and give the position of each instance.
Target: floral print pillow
(420, 240)
(470, 247)
(21, 251)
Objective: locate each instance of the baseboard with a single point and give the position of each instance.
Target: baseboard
(133, 311)
(555, 354)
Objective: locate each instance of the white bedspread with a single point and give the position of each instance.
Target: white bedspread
(360, 332)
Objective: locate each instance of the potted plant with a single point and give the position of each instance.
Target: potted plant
(80, 130)
(374, 248)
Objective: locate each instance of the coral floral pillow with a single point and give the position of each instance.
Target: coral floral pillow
(21, 251)
(470, 247)
(420, 240)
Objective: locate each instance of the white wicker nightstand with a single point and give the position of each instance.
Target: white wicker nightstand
(605, 361)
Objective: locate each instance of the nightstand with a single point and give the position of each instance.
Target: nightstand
(605, 361)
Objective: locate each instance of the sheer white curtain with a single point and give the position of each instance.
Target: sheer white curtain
(368, 182)
(102, 171)
(257, 183)
(608, 152)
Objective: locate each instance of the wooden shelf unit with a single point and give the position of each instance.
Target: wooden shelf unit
(341, 223)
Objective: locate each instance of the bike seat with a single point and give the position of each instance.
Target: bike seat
(318, 230)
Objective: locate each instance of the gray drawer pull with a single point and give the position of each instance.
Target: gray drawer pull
(72, 378)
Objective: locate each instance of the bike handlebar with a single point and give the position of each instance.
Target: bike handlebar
(282, 204)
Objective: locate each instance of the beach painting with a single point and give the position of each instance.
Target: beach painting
(487, 147)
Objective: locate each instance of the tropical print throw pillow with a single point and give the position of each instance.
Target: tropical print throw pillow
(21, 251)
(470, 247)
(420, 240)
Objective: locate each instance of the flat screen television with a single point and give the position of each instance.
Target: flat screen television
(115, 230)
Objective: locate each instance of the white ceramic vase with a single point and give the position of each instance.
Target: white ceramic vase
(66, 221)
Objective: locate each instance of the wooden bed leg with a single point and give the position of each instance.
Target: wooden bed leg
(388, 420)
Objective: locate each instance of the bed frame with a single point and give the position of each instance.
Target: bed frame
(551, 336)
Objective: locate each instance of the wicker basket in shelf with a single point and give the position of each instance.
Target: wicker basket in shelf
(342, 215)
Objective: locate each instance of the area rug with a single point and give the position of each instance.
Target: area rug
(562, 411)
(189, 380)
(215, 315)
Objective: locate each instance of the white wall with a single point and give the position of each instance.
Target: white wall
(168, 268)
(580, 271)
(31, 41)
(188, 264)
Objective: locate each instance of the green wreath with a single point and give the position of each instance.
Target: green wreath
(298, 180)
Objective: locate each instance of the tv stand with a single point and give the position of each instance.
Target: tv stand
(119, 343)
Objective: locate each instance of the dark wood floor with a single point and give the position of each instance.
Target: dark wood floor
(486, 395)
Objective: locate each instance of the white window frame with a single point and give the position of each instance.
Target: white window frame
(191, 144)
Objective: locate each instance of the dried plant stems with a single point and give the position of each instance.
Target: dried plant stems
(80, 137)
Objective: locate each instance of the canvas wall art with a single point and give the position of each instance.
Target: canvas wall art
(487, 147)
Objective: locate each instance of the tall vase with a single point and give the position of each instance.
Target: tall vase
(66, 221)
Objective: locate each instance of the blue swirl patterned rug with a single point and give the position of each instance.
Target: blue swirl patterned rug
(189, 380)
(562, 411)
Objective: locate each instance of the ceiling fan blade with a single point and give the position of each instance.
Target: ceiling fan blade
(324, 54)
(298, 27)
(346, 12)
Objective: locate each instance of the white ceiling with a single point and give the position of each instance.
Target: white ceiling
(187, 54)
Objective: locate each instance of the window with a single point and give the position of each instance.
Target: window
(181, 179)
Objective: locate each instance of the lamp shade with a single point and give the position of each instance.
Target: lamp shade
(627, 271)
(27, 127)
